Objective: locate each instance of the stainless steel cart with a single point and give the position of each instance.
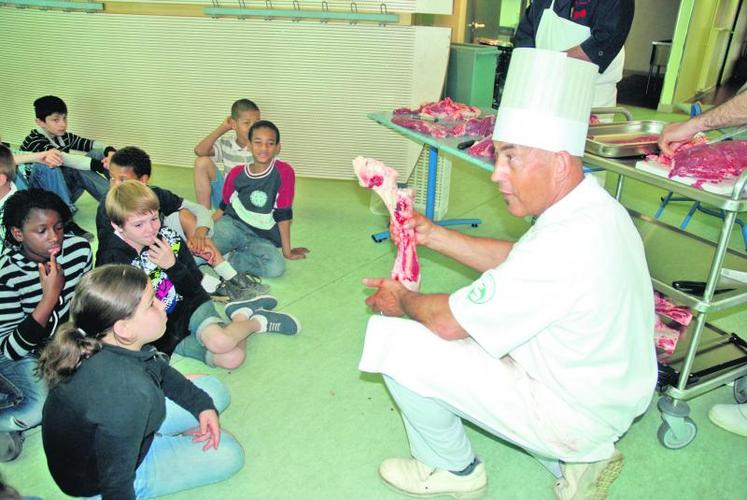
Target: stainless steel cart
(706, 357)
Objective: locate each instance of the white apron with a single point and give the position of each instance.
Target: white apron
(556, 33)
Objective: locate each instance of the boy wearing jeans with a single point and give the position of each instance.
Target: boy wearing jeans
(80, 173)
(257, 208)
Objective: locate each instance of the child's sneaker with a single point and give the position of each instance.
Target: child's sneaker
(277, 322)
(250, 307)
(249, 281)
(241, 288)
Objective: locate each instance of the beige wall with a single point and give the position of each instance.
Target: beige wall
(654, 20)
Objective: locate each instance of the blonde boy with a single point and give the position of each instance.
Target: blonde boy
(194, 327)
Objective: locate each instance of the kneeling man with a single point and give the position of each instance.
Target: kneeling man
(551, 347)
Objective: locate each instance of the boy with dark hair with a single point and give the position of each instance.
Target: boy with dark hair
(80, 173)
(219, 152)
(257, 208)
(191, 221)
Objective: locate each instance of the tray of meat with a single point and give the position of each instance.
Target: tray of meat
(624, 139)
(710, 167)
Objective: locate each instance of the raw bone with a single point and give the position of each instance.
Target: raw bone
(373, 174)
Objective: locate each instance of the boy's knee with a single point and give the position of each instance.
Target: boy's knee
(231, 455)
(230, 360)
(203, 164)
(275, 266)
(216, 389)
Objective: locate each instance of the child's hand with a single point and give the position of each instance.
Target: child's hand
(52, 279)
(208, 432)
(51, 158)
(106, 160)
(227, 124)
(296, 253)
(161, 254)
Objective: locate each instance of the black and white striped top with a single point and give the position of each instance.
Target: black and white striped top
(20, 292)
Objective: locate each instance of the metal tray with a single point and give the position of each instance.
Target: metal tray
(618, 140)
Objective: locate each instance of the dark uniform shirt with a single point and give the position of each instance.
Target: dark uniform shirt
(608, 20)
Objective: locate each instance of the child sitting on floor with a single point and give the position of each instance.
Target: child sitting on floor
(220, 151)
(39, 269)
(78, 173)
(108, 428)
(191, 221)
(194, 323)
(257, 208)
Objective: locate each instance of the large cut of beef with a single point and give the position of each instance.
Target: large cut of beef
(678, 314)
(425, 127)
(711, 163)
(445, 109)
(666, 160)
(373, 174)
(483, 148)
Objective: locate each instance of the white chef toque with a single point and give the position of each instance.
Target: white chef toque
(546, 101)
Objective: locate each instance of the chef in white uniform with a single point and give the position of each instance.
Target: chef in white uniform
(551, 347)
(591, 30)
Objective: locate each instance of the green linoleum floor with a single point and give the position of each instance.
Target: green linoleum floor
(314, 427)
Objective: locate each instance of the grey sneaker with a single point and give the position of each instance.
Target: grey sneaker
(278, 322)
(250, 307)
(11, 444)
(243, 286)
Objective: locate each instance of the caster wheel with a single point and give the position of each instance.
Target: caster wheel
(474, 225)
(679, 438)
(740, 390)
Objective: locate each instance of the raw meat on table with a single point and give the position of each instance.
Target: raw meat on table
(641, 139)
(665, 338)
(445, 109)
(473, 127)
(679, 314)
(666, 160)
(483, 149)
(373, 174)
(711, 163)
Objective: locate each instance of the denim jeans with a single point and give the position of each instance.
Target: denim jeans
(174, 463)
(50, 179)
(85, 180)
(251, 253)
(22, 394)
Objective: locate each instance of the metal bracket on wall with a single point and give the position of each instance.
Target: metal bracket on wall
(297, 13)
(54, 5)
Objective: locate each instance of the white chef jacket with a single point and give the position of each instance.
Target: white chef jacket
(560, 357)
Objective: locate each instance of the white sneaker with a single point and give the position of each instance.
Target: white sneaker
(733, 418)
(412, 477)
(588, 481)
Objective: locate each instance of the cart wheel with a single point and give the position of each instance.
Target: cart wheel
(740, 390)
(675, 439)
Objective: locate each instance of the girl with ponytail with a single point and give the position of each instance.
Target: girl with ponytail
(107, 425)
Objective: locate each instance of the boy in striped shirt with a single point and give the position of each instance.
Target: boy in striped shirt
(220, 151)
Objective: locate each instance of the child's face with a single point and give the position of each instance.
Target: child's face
(264, 145)
(55, 124)
(120, 174)
(141, 229)
(148, 322)
(41, 235)
(243, 123)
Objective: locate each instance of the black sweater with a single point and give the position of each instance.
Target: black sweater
(98, 425)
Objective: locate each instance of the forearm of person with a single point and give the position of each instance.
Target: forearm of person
(23, 338)
(203, 217)
(285, 235)
(478, 253)
(28, 157)
(577, 52)
(183, 392)
(205, 146)
(729, 114)
(44, 309)
(434, 313)
(78, 162)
